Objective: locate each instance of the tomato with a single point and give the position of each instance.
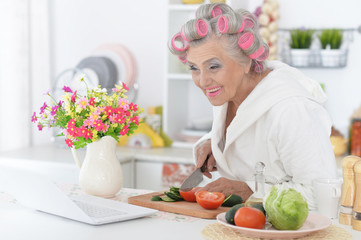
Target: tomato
(249, 217)
(189, 196)
(209, 200)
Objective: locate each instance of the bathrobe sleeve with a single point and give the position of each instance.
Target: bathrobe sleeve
(302, 140)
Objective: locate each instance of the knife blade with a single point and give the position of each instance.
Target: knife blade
(195, 178)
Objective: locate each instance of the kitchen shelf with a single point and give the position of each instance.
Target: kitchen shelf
(183, 103)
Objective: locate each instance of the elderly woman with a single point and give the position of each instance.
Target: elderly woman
(263, 110)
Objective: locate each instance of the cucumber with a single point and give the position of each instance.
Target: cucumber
(156, 198)
(167, 199)
(231, 212)
(173, 196)
(232, 200)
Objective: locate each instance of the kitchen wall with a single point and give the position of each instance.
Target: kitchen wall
(78, 27)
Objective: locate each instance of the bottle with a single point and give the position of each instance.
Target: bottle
(259, 193)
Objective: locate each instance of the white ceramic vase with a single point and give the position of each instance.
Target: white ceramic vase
(101, 173)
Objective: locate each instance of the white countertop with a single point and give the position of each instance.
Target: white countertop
(18, 223)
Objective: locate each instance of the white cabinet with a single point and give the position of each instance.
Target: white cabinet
(184, 103)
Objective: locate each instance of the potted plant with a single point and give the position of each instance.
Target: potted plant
(331, 54)
(301, 40)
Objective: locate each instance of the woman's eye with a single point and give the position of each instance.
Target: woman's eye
(192, 68)
(214, 67)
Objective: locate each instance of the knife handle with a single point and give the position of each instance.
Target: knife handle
(204, 166)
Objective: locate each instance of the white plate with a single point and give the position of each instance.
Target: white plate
(313, 223)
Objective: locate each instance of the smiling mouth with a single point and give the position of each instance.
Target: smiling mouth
(212, 92)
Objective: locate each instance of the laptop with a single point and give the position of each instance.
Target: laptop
(37, 191)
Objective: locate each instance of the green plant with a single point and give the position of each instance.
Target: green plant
(331, 37)
(301, 38)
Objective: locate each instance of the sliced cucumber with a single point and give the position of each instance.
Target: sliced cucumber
(167, 199)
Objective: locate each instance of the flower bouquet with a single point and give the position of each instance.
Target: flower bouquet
(95, 120)
(86, 119)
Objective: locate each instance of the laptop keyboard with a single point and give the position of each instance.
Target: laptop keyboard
(97, 211)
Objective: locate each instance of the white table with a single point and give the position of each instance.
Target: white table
(18, 223)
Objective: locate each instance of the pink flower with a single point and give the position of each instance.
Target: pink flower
(109, 110)
(73, 97)
(92, 101)
(69, 142)
(125, 86)
(119, 119)
(112, 118)
(88, 135)
(135, 120)
(119, 111)
(34, 118)
(115, 89)
(67, 89)
(133, 107)
(54, 109)
(42, 109)
(40, 127)
(123, 103)
(71, 123)
(124, 131)
(98, 125)
(60, 103)
(84, 132)
(83, 103)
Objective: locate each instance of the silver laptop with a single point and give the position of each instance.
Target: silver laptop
(37, 191)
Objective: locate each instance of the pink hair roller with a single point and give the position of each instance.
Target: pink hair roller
(202, 28)
(183, 59)
(263, 56)
(246, 40)
(242, 26)
(248, 24)
(179, 38)
(258, 68)
(222, 24)
(216, 11)
(183, 35)
(257, 53)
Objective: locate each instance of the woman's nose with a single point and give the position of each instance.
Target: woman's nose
(204, 79)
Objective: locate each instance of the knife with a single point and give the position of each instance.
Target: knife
(195, 178)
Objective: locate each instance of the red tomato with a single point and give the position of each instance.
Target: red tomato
(249, 217)
(209, 200)
(189, 196)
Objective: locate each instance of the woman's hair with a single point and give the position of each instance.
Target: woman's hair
(239, 29)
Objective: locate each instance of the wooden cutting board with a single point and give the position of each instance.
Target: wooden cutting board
(181, 207)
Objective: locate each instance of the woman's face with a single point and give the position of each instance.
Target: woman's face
(219, 77)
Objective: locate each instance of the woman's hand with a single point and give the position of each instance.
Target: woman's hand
(228, 187)
(204, 152)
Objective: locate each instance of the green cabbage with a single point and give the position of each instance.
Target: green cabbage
(286, 208)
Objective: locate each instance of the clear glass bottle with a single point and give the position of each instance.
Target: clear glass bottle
(259, 193)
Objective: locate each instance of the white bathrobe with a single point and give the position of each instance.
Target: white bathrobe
(283, 124)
